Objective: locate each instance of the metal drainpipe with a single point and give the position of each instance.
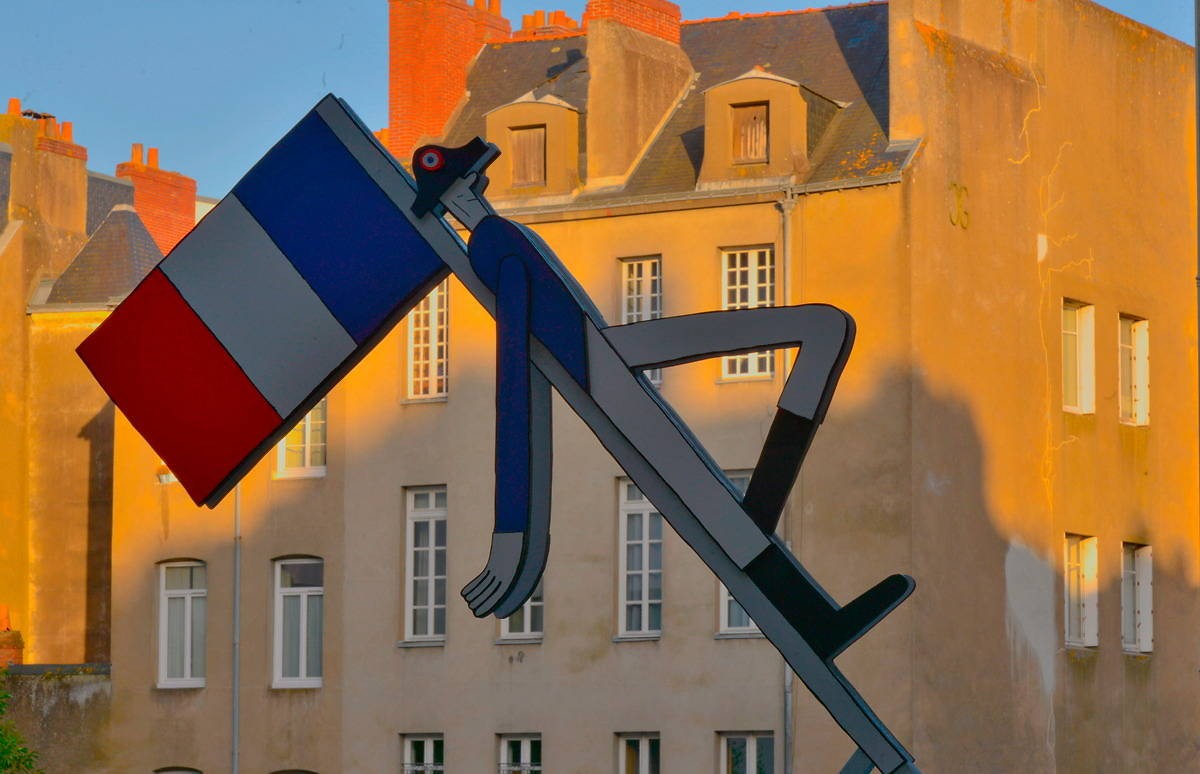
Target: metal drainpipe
(786, 206)
(235, 709)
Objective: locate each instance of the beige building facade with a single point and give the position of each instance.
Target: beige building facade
(1003, 197)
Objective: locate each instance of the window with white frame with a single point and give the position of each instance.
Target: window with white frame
(424, 754)
(748, 753)
(521, 754)
(641, 532)
(1137, 598)
(638, 754)
(733, 618)
(1081, 591)
(301, 453)
(1133, 358)
(428, 351)
(299, 622)
(528, 620)
(182, 603)
(641, 296)
(425, 565)
(1078, 357)
(748, 281)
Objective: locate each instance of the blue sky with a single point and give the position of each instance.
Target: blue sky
(213, 83)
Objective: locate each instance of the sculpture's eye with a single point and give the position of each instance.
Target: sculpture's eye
(432, 160)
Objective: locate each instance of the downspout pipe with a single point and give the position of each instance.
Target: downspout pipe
(235, 701)
(786, 207)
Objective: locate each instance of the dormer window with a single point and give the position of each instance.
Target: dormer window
(528, 155)
(751, 124)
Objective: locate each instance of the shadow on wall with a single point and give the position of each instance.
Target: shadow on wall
(98, 433)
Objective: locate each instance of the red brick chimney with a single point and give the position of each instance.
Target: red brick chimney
(659, 18)
(541, 24)
(165, 201)
(431, 44)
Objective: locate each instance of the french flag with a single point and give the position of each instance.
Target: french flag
(269, 301)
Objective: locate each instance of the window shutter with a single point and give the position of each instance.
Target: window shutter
(1144, 567)
(529, 155)
(1091, 592)
(750, 127)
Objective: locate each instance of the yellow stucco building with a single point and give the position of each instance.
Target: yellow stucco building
(1002, 195)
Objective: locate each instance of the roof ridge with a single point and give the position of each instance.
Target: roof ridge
(737, 15)
(533, 39)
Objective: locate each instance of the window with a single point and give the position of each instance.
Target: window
(299, 615)
(301, 453)
(182, 602)
(641, 296)
(521, 754)
(424, 754)
(428, 354)
(527, 621)
(1081, 591)
(750, 126)
(1137, 598)
(640, 563)
(748, 753)
(748, 280)
(734, 619)
(1133, 356)
(638, 754)
(425, 568)
(1078, 358)
(529, 155)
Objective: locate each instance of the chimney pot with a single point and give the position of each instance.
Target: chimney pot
(539, 18)
(68, 131)
(152, 158)
(135, 155)
(14, 106)
(494, 6)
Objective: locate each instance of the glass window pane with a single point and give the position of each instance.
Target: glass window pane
(535, 613)
(633, 557)
(634, 531)
(655, 526)
(420, 593)
(420, 624)
(654, 756)
(655, 556)
(175, 635)
(516, 621)
(198, 614)
(735, 755)
(291, 636)
(631, 757)
(421, 534)
(633, 618)
(765, 755)
(535, 751)
(199, 577)
(439, 499)
(439, 620)
(312, 642)
(439, 533)
(655, 616)
(421, 563)
(439, 561)
(439, 751)
(178, 577)
(301, 574)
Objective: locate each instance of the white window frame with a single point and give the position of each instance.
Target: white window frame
(1081, 591)
(519, 625)
(751, 738)
(427, 743)
(314, 428)
(525, 764)
(641, 296)
(641, 507)
(303, 680)
(741, 480)
(755, 289)
(643, 744)
(189, 596)
(428, 372)
(1137, 598)
(1133, 370)
(1083, 332)
(431, 515)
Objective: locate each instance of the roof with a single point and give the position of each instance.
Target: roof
(839, 56)
(114, 260)
(103, 193)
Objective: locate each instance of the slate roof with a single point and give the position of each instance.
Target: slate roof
(116, 257)
(839, 56)
(103, 193)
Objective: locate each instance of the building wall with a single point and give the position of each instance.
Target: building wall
(1057, 163)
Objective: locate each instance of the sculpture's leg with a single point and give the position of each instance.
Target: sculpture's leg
(521, 537)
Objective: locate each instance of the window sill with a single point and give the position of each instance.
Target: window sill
(648, 637)
(534, 640)
(749, 634)
(293, 473)
(443, 398)
(295, 685)
(180, 685)
(747, 378)
(1140, 655)
(1133, 425)
(421, 643)
(1078, 412)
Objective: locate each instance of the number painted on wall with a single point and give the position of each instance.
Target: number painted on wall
(959, 215)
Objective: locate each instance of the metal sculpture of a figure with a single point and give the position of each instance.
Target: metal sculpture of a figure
(214, 308)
